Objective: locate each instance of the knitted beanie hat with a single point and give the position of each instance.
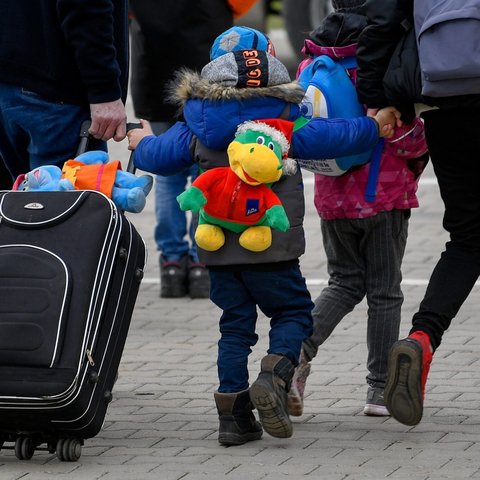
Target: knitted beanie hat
(240, 38)
(246, 69)
(344, 5)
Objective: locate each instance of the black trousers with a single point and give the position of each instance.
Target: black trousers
(6, 180)
(453, 137)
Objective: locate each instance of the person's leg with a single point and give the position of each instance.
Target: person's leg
(170, 236)
(283, 296)
(35, 131)
(13, 141)
(237, 337)
(237, 329)
(454, 143)
(346, 284)
(384, 250)
(346, 288)
(171, 229)
(180, 268)
(198, 278)
(384, 247)
(6, 180)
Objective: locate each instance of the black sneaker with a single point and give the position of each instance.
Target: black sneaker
(198, 280)
(173, 278)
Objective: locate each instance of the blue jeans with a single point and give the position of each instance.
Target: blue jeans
(35, 131)
(171, 228)
(281, 295)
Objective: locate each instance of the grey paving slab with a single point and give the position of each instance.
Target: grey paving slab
(162, 422)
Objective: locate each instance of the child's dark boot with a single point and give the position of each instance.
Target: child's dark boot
(237, 421)
(269, 395)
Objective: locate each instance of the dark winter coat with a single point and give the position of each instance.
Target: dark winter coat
(66, 50)
(168, 35)
(388, 70)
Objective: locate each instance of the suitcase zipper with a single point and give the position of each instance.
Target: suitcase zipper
(90, 358)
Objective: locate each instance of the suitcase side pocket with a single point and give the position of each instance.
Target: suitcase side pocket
(34, 300)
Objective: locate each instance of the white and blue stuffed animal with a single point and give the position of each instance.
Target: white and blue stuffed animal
(91, 171)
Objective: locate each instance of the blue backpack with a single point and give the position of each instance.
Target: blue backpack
(448, 39)
(331, 94)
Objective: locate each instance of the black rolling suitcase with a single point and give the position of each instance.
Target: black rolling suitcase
(71, 265)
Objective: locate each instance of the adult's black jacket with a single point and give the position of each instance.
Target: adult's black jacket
(74, 51)
(168, 35)
(383, 81)
(385, 28)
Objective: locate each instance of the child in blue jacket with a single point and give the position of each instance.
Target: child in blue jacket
(213, 103)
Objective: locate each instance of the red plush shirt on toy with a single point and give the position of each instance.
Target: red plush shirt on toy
(232, 200)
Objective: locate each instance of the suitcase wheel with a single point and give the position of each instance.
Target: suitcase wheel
(139, 275)
(24, 448)
(69, 449)
(123, 254)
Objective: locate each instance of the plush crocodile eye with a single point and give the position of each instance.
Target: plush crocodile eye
(270, 145)
(260, 140)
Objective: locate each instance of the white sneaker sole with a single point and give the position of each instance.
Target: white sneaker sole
(376, 410)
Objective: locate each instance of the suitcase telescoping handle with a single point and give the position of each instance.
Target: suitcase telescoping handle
(85, 138)
(131, 167)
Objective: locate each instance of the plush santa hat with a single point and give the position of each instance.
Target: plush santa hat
(281, 132)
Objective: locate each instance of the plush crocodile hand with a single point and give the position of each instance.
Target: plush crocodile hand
(277, 218)
(192, 199)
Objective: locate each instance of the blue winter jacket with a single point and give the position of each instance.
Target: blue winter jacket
(213, 112)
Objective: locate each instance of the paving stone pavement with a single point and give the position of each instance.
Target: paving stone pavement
(162, 423)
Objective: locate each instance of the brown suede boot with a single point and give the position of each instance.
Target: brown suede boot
(269, 395)
(237, 421)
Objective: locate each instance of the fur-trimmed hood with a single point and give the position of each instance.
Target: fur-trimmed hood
(191, 85)
(213, 111)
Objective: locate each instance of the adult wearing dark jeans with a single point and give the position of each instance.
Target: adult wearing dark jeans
(453, 141)
(61, 62)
